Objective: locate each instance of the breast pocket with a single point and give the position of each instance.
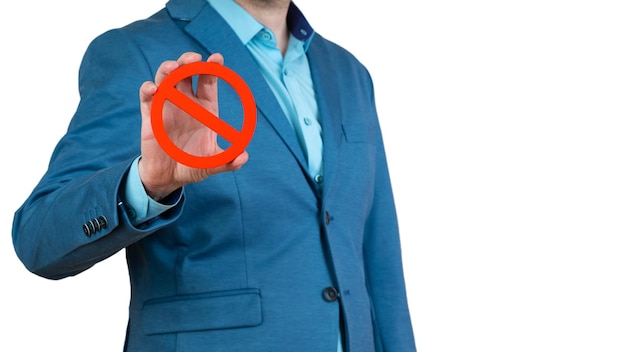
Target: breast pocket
(358, 131)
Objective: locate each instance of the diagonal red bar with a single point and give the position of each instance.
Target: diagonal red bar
(201, 114)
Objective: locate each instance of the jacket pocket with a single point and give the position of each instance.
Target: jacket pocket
(206, 311)
(357, 132)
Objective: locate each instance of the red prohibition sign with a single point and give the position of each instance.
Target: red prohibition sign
(239, 139)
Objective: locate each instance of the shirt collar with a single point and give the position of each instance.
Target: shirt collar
(246, 26)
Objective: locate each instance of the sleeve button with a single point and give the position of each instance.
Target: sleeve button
(102, 220)
(96, 224)
(86, 230)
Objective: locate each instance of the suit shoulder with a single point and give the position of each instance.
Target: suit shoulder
(158, 25)
(346, 60)
(337, 51)
(148, 41)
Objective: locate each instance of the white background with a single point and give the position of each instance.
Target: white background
(505, 128)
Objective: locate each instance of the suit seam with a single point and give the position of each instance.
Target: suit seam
(243, 232)
(141, 50)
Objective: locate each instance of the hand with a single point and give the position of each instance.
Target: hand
(160, 174)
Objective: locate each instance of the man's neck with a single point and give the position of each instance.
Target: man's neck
(273, 15)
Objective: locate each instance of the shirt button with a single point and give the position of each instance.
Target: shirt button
(286, 72)
(318, 178)
(307, 121)
(266, 36)
(131, 213)
(330, 294)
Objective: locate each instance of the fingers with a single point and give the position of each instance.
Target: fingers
(185, 85)
(238, 162)
(189, 57)
(234, 165)
(207, 84)
(146, 92)
(206, 93)
(217, 58)
(165, 69)
(169, 66)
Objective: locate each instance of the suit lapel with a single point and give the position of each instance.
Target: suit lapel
(327, 91)
(211, 31)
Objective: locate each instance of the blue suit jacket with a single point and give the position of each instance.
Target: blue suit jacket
(241, 264)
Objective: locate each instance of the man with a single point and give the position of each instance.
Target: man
(291, 246)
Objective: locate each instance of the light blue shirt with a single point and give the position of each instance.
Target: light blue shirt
(288, 76)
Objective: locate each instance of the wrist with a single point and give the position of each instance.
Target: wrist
(157, 190)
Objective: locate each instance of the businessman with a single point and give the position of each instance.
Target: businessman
(291, 246)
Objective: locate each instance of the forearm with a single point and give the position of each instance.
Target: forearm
(48, 231)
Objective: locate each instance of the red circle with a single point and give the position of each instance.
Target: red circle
(239, 141)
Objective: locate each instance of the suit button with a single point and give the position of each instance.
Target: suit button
(86, 230)
(92, 227)
(102, 221)
(327, 218)
(318, 179)
(96, 224)
(330, 294)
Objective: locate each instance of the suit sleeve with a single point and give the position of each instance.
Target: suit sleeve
(75, 217)
(383, 263)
